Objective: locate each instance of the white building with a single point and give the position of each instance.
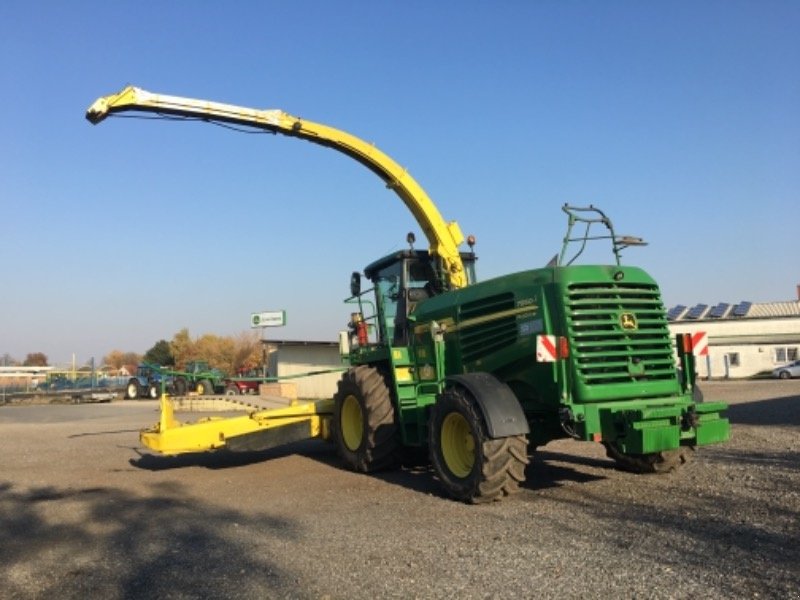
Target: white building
(743, 339)
(290, 358)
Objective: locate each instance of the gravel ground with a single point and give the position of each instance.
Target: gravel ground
(84, 511)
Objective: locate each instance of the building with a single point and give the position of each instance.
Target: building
(290, 358)
(744, 339)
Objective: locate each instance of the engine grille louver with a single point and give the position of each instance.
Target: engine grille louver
(605, 352)
(483, 339)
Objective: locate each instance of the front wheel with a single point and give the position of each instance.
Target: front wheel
(180, 386)
(154, 391)
(132, 390)
(364, 425)
(471, 466)
(784, 375)
(232, 390)
(660, 463)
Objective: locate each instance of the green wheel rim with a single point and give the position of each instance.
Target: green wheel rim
(352, 423)
(458, 445)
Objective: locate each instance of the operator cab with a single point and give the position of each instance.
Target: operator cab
(402, 280)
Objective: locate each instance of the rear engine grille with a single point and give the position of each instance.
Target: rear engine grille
(481, 338)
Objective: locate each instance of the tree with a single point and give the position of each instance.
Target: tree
(117, 359)
(247, 351)
(181, 347)
(218, 351)
(160, 354)
(35, 359)
(226, 353)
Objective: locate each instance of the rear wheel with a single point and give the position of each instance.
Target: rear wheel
(662, 462)
(471, 466)
(180, 386)
(364, 424)
(132, 389)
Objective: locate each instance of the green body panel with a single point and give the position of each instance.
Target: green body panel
(619, 382)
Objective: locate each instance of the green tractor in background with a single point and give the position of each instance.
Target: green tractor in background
(482, 375)
(198, 376)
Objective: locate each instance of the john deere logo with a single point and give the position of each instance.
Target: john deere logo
(628, 321)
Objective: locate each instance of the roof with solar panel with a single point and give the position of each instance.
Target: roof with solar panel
(740, 310)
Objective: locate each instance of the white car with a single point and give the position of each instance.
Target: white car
(787, 371)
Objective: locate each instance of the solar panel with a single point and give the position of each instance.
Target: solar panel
(696, 311)
(675, 312)
(719, 310)
(741, 309)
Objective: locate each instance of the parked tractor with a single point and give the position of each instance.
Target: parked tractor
(147, 382)
(198, 376)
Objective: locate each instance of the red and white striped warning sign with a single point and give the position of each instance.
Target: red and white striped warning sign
(546, 348)
(700, 343)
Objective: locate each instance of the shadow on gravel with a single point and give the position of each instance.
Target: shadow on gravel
(415, 474)
(223, 459)
(773, 411)
(102, 542)
(418, 478)
(543, 473)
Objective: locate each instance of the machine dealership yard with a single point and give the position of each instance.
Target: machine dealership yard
(85, 510)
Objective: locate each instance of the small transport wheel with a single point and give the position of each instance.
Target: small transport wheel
(471, 466)
(154, 391)
(204, 388)
(660, 463)
(364, 424)
(231, 390)
(132, 389)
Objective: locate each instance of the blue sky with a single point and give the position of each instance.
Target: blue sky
(680, 119)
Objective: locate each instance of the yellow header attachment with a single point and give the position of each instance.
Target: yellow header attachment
(443, 238)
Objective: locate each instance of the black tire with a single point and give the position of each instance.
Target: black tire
(472, 467)
(232, 390)
(154, 391)
(180, 386)
(132, 390)
(364, 424)
(205, 388)
(659, 463)
(785, 375)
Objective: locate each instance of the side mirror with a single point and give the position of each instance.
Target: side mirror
(355, 283)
